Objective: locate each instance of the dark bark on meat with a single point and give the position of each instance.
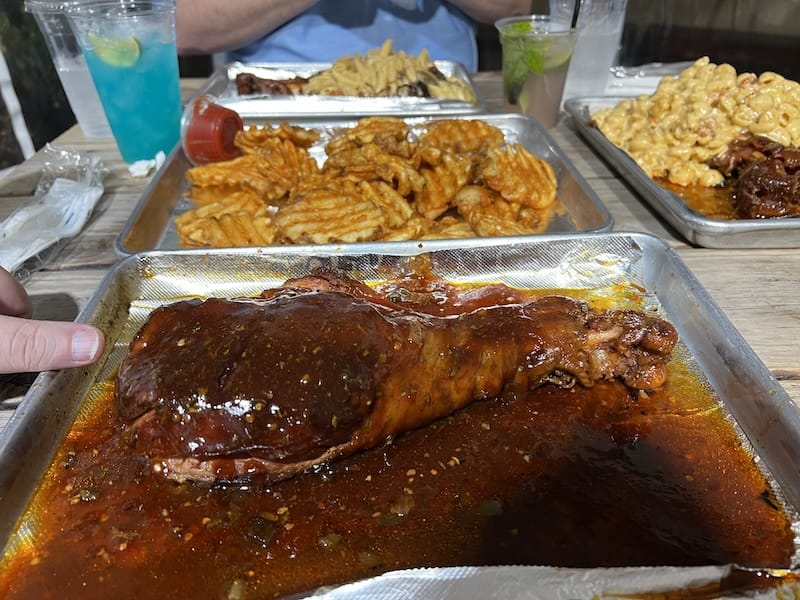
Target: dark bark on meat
(248, 84)
(770, 188)
(743, 152)
(767, 176)
(325, 366)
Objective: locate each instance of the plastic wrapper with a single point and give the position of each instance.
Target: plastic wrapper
(69, 188)
(643, 79)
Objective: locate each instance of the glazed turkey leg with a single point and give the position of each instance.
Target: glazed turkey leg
(324, 367)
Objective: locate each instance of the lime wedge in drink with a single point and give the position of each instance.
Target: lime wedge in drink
(557, 59)
(117, 52)
(547, 55)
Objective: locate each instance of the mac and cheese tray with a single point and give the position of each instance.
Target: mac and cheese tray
(313, 182)
(318, 90)
(712, 151)
(611, 487)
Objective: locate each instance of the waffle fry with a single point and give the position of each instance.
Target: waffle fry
(230, 229)
(220, 193)
(287, 163)
(253, 137)
(395, 207)
(465, 136)
(332, 212)
(371, 163)
(442, 183)
(520, 176)
(243, 230)
(235, 202)
(386, 132)
(449, 228)
(489, 214)
(249, 172)
(413, 229)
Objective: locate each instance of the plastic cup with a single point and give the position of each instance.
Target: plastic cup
(129, 46)
(70, 66)
(600, 24)
(536, 56)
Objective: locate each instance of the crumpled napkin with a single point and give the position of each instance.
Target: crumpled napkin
(68, 190)
(143, 168)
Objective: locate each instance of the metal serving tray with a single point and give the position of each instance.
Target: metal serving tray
(760, 409)
(222, 85)
(151, 226)
(698, 229)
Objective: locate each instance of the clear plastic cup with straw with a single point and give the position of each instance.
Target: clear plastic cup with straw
(70, 66)
(536, 55)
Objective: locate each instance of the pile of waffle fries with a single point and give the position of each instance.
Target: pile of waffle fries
(454, 178)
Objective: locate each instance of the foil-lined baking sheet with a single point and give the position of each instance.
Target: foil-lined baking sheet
(151, 225)
(222, 85)
(695, 227)
(759, 409)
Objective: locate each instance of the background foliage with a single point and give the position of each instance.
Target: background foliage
(44, 105)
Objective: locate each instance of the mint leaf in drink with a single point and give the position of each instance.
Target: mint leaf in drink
(515, 68)
(534, 57)
(523, 53)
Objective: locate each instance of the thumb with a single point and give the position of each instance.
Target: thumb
(29, 345)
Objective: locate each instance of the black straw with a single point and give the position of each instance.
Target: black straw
(575, 12)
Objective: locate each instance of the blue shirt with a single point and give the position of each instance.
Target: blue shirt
(335, 28)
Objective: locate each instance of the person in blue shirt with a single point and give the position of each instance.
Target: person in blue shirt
(29, 345)
(325, 30)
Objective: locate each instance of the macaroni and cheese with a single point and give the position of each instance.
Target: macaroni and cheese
(694, 116)
(382, 72)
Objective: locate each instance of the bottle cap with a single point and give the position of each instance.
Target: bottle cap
(209, 131)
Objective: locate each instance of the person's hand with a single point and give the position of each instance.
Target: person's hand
(28, 345)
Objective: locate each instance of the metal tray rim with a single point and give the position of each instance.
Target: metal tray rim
(218, 83)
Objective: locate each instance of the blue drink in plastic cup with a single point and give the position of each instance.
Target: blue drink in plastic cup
(129, 46)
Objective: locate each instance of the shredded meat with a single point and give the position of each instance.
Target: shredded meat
(325, 366)
(770, 188)
(767, 176)
(743, 152)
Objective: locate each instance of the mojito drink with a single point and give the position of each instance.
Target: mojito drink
(536, 57)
